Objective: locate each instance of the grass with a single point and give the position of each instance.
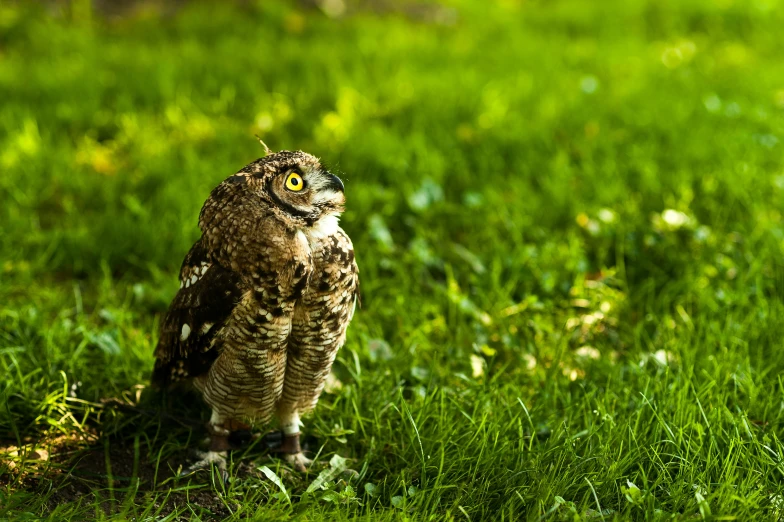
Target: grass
(568, 220)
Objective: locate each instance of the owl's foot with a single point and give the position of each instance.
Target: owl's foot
(298, 461)
(219, 445)
(292, 452)
(207, 459)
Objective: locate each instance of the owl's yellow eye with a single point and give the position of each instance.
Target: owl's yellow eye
(294, 182)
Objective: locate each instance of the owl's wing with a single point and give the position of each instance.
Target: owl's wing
(208, 294)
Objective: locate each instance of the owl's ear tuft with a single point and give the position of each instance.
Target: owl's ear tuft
(267, 150)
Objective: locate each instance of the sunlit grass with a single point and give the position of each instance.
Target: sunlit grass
(568, 223)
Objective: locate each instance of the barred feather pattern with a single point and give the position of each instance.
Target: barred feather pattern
(320, 321)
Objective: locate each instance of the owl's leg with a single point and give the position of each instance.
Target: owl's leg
(290, 448)
(306, 373)
(219, 430)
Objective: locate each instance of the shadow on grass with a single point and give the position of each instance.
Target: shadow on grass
(127, 455)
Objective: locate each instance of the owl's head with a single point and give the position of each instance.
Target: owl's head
(294, 185)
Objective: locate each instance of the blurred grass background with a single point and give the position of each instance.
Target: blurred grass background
(567, 216)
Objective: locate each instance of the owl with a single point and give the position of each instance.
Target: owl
(266, 295)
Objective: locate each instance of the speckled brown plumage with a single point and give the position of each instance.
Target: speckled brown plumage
(266, 295)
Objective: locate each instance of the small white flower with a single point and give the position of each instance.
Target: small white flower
(662, 357)
(606, 215)
(675, 218)
(477, 366)
(588, 352)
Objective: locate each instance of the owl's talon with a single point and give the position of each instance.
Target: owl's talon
(298, 461)
(292, 452)
(206, 459)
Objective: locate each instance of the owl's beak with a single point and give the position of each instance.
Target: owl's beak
(335, 183)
